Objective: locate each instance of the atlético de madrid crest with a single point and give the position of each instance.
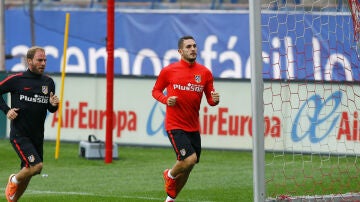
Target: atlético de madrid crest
(182, 152)
(45, 89)
(197, 78)
(31, 158)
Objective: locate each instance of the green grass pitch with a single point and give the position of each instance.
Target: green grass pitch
(135, 176)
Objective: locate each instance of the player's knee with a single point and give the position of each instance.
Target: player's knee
(191, 160)
(37, 168)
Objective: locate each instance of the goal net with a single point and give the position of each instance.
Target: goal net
(311, 100)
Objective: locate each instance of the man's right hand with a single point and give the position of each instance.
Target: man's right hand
(171, 101)
(12, 113)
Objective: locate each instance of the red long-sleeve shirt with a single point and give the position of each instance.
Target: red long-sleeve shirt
(188, 82)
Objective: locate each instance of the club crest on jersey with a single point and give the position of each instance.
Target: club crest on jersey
(183, 152)
(197, 78)
(44, 89)
(31, 158)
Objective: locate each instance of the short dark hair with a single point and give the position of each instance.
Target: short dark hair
(181, 40)
(31, 52)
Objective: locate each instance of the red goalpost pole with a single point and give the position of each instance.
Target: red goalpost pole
(109, 81)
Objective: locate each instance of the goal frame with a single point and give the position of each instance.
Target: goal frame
(257, 107)
(257, 89)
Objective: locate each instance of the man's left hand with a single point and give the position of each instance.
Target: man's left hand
(54, 100)
(215, 97)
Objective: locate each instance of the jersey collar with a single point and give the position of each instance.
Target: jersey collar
(185, 63)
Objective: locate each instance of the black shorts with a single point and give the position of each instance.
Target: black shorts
(185, 143)
(29, 153)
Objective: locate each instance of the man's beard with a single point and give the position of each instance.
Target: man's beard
(191, 60)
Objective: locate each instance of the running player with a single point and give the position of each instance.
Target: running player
(185, 82)
(32, 95)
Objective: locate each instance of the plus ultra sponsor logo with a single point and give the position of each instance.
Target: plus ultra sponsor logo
(36, 98)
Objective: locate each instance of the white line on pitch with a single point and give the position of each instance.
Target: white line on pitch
(35, 192)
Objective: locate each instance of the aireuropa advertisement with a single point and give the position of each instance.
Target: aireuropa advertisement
(303, 118)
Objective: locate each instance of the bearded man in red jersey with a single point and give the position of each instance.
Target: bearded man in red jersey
(185, 82)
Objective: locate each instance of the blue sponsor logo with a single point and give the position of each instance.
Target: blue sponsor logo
(317, 118)
(151, 128)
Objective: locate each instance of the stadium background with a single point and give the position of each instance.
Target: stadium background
(146, 34)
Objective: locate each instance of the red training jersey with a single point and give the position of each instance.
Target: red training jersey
(188, 82)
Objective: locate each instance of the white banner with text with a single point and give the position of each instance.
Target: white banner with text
(322, 120)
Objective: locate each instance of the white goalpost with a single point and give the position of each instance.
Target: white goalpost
(257, 100)
(309, 75)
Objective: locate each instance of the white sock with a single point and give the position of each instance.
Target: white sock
(14, 180)
(169, 175)
(169, 199)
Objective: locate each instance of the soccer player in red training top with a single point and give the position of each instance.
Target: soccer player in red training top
(32, 95)
(185, 82)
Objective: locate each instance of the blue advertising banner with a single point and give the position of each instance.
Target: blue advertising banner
(308, 46)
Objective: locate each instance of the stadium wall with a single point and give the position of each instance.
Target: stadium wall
(146, 41)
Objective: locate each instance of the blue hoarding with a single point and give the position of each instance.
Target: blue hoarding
(309, 46)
